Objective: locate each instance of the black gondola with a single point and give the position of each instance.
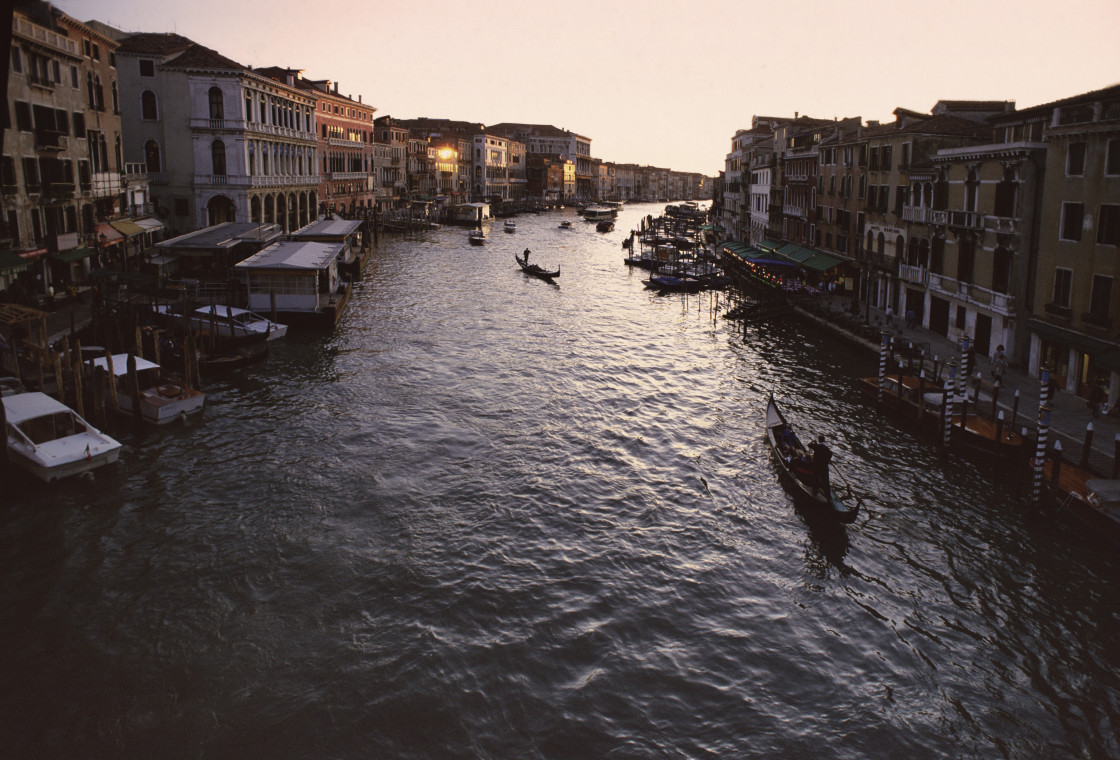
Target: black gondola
(797, 464)
(535, 270)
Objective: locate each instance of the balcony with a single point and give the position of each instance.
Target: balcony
(1004, 225)
(918, 214)
(913, 274)
(1061, 312)
(969, 220)
(790, 209)
(283, 180)
(49, 140)
(1000, 303)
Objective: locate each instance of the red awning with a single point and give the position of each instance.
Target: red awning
(33, 253)
(107, 235)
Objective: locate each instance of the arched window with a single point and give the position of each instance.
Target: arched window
(900, 248)
(882, 244)
(148, 108)
(151, 156)
(116, 97)
(217, 105)
(870, 241)
(218, 156)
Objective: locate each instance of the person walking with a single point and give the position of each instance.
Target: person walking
(999, 365)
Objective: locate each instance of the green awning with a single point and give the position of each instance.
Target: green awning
(821, 262)
(76, 254)
(127, 228)
(12, 263)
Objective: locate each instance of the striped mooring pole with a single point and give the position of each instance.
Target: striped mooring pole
(1044, 410)
(948, 402)
(884, 337)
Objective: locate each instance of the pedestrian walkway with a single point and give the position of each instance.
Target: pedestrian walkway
(1070, 415)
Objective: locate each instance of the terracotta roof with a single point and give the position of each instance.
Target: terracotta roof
(146, 43)
(1108, 93)
(177, 51)
(197, 56)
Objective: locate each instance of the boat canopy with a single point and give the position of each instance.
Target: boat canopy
(120, 364)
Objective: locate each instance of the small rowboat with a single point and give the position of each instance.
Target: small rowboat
(535, 270)
(797, 463)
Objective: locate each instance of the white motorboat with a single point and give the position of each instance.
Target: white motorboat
(162, 399)
(477, 237)
(49, 439)
(510, 226)
(231, 322)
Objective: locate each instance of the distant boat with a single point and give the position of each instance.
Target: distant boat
(510, 226)
(566, 225)
(605, 225)
(477, 237)
(599, 213)
(49, 439)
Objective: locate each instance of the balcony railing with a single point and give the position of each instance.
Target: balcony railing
(972, 220)
(918, 214)
(310, 180)
(1001, 303)
(913, 274)
(1054, 310)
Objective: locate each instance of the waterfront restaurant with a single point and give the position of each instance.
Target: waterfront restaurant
(297, 280)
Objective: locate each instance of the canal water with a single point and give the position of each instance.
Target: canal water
(493, 517)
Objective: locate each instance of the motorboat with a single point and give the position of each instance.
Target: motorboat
(606, 225)
(566, 224)
(510, 226)
(599, 213)
(230, 322)
(49, 440)
(163, 399)
(477, 237)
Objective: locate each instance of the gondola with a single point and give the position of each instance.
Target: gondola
(796, 462)
(535, 270)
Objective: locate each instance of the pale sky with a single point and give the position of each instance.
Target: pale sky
(662, 82)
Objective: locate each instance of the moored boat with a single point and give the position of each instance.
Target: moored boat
(49, 440)
(798, 465)
(230, 321)
(163, 399)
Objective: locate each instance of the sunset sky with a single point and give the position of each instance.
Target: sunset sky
(662, 82)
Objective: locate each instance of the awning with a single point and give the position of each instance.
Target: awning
(1086, 343)
(12, 263)
(110, 235)
(148, 224)
(127, 228)
(821, 262)
(76, 254)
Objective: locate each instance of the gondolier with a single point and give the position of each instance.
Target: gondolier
(822, 455)
(526, 255)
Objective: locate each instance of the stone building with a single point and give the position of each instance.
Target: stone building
(220, 141)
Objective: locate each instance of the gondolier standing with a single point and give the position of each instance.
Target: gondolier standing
(526, 255)
(822, 455)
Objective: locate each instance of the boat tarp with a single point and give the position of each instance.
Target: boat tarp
(120, 364)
